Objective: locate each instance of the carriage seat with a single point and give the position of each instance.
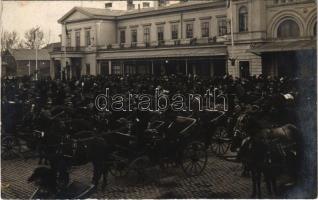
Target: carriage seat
(180, 126)
(121, 140)
(83, 134)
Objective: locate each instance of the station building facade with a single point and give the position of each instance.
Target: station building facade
(207, 38)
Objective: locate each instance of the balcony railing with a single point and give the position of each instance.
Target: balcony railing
(287, 2)
(164, 43)
(57, 49)
(78, 48)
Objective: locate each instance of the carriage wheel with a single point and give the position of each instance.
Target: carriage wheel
(194, 159)
(118, 169)
(220, 141)
(140, 166)
(10, 148)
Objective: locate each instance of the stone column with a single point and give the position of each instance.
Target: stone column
(52, 68)
(186, 66)
(211, 69)
(109, 67)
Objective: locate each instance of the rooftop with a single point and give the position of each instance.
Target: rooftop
(29, 54)
(112, 14)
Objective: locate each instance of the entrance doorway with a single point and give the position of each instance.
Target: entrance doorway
(290, 63)
(104, 68)
(57, 70)
(76, 66)
(244, 69)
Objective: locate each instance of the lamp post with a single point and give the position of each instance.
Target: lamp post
(36, 51)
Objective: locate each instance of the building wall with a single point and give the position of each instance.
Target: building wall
(304, 13)
(153, 22)
(106, 32)
(23, 67)
(91, 60)
(239, 53)
(264, 17)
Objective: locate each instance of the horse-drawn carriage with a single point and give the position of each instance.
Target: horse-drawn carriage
(184, 142)
(161, 144)
(17, 128)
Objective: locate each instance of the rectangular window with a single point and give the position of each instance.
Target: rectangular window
(160, 33)
(162, 2)
(174, 31)
(88, 69)
(222, 25)
(122, 36)
(68, 39)
(88, 37)
(205, 29)
(108, 5)
(116, 69)
(145, 4)
(189, 31)
(77, 39)
(134, 36)
(146, 35)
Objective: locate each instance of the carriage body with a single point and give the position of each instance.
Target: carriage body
(161, 144)
(215, 129)
(17, 127)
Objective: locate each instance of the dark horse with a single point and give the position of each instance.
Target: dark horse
(269, 151)
(64, 150)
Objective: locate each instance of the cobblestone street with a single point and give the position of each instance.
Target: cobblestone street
(221, 179)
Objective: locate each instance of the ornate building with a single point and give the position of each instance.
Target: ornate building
(208, 38)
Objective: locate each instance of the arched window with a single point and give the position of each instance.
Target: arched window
(315, 29)
(288, 29)
(243, 19)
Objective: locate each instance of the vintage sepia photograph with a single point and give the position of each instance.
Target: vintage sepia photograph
(158, 99)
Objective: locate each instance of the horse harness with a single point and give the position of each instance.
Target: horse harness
(274, 143)
(75, 146)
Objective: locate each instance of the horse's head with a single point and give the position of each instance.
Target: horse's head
(237, 139)
(39, 135)
(240, 131)
(245, 148)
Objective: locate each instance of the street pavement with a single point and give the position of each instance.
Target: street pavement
(221, 179)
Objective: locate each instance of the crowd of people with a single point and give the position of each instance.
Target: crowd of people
(82, 92)
(282, 100)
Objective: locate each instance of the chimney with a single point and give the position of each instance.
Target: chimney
(162, 2)
(130, 5)
(156, 4)
(108, 5)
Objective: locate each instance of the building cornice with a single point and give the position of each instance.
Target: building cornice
(189, 20)
(147, 24)
(151, 12)
(174, 21)
(160, 23)
(206, 18)
(85, 20)
(171, 10)
(163, 48)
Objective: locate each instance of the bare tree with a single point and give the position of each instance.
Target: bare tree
(9, 40)
(47, 38)
(33, 37)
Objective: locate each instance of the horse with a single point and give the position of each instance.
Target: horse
(45, 179)
(259, 158)
(267, 151)
(63, 151)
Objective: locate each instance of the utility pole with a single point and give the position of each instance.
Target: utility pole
(65, 45)
(232, 30)
(36, 52)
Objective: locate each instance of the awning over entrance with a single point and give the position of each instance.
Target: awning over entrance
(284, 46)
(163, 53)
